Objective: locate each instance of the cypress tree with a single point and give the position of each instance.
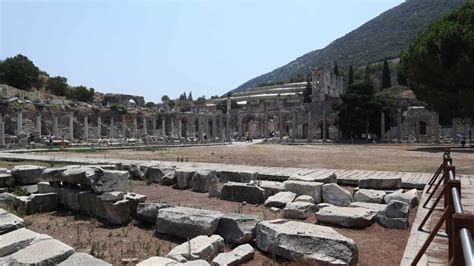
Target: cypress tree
(336, 69)
(386, 82)
(351, 75)
(367, 78)
(190, 96)
(307, 92)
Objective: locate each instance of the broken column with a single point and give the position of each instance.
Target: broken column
(214, 126)
(172, 127)
(135, 127)
(99, 127)
(153, 125)
(200, 128)
(112, 127)
(2, 134)
(71, 126)
(163, 126)
(399, 125)
(324, 126)
(229, 106)
(86, 127)
(55, 125)
(145, 130)
(293, 130)
(38, 123)
(180, 124)
(309, 126)
(19, 122)
(124, 127)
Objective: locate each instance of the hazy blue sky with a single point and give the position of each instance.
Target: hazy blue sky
(153, 48)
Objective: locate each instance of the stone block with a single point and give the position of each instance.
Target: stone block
(77, 259)
(237, 228)
(117, 212)
(237, 256)
(280, 200)
(9, 222)
(112, 196)
(6, 180)
(299, 210)
(410, 197)
(327, 178)
(187, 222)
(305, 198)
(148, 212)
(110, 180)
(313, 243)
(184, 178)
(241, 192)
(201, 247)
(369, 195)
(380, 183)
(312, 189)
(352, 217)
(27, 174)
(47, 252)
(336, 195)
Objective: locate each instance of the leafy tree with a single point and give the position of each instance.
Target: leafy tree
(358, 111)
(401, 77)
(307, 93)
(81, 93)
(57, 85)
(150, 104)
(183, 97)
(120, 108)
(351, 75)
(439, 64)
(336, 69)
(171, 104)
(367, 78)
(19, 72)
(222, 105)
(386, 81)
(190, 96)
(165, 98)
(185, 106)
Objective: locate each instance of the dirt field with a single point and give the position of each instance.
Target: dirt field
(377, 245)
(408, 158)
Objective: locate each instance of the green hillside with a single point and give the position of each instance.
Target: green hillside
(382, 37)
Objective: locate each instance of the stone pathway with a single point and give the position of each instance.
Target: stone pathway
(345, 177)
(437, 253)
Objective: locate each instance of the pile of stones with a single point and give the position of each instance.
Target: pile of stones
(20, 246)
(209, 231)
(99, 191)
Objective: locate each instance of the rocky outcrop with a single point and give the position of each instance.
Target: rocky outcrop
(297, 240)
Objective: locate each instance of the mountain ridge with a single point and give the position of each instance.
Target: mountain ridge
(384, 36)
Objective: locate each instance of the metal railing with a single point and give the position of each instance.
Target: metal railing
(459, 225)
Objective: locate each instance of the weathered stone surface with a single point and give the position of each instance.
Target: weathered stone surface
(237, 256)
(156, 173)
(110, 180)
(169, 179)
(236, 176)
(328, 178)
(352, 217)
(27, 174)
(395, 215)
(299, 210)
(90, 203)
(55, 174)
(156, 261)
(280, 199)
(214, 187)
(77, 259)
(136, 172)
(38, 203)
(271, 187)
(45, 187)
(184, 178)
(372, 206)
(336, 195)
(135, 199)
(201, 247)
(237, 228)
(69, 198)
(15, 240)
(305, 198)
(312, 189)
(148, 212)
(369, 195)
(6, 180)
(200, 181)
(112, 196)
(195, 263)
(297, 240)
(79, 174)
(29, 189)
(409, 197)
(47, 252)
(117, 212)
(9, 222)
(187, 222)
(241, 192)
(380, 183)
